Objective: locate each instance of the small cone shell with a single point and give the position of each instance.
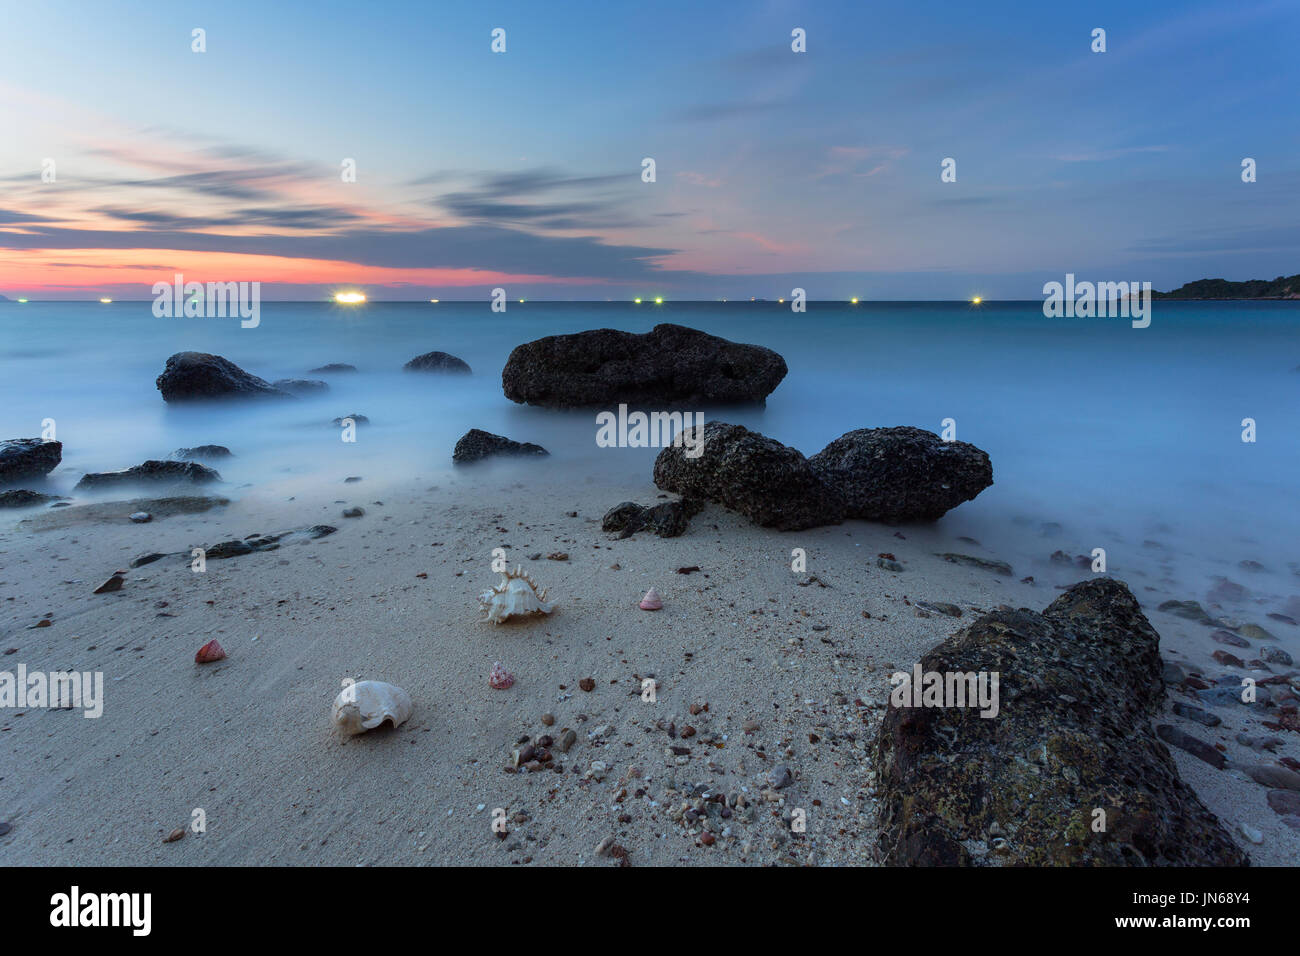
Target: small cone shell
(651, 601)
(209, 652)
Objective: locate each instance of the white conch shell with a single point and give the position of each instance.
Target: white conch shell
(516, 595)
(367, 704)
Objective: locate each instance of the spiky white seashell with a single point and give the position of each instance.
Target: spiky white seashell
(367, 704)
(515, 596)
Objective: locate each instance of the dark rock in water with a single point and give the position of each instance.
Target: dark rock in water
(1231, 696)
(1226, 591)
(1188, 609)
(1230, 660)
(22, 498)
(1232, 640)
(24, 458)
(151, 472)
(667, 366)
(1173, 673)
(356, 419)
(667, 520)
(354, 512)
(194, 376)
(301, 386)
(902, 474)
(1275, 655)
(203, 453)
(1079, 686)
(437, 362)
(767, 482)
(228, 549)
(997, 567)
(319, 531)
(333, 367)
(476, 444)
(1193, 745)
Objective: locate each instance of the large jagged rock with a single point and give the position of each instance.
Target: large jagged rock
(203, 453)
(151, 472)
(25, 458)
(196, 376)
(476, 444)
(902, 474)
(668, 519)
(437, 362)
(769, 483)
(669, 365)
(1079, 685)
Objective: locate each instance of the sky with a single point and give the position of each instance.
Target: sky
(127, 157)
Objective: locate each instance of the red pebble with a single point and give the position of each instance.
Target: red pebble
(209, 652)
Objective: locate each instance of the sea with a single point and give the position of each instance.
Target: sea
(1175, 448)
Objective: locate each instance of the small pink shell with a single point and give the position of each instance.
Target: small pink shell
(209, 652)
(651, 601)
(500, 678)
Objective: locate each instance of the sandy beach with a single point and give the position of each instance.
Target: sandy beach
(758, 668)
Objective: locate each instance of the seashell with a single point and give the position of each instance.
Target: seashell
(500, 678)
(651, 601)
(367, 704)
(515, 596)
(209, 652)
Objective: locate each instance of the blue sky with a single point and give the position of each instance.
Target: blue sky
(523, 169)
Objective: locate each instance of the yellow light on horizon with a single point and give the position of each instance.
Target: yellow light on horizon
(106, 300)
(659, 300)
(349, 298)
(434, 301)
(21, 300)
(976, 301)
(853, 301)
(636, 301)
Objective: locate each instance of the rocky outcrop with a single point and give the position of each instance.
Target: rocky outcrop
(668, 519)
(437, 362)
(22, 498)
(1078, 687)
(476, 444)
(769, 483)
(203, 453)
(25, 458)
(301, 386)
(669, 365)
(332, 368)
(151, 472)
(198, 376)
(902, 474)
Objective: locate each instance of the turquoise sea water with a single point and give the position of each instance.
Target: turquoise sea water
(1121, 435)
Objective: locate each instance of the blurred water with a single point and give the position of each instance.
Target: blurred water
(1122, 435)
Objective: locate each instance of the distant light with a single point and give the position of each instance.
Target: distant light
(779, 301)
(637, 301)
(976, 301)
(434, 301)
(349, 298)
(521, 301)
(106, 301)
(22, 300)
(853, 301)
(659, 300)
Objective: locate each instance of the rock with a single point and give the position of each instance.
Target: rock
(548, 719)
(476, 444)
(25, 458)
(356, 420)
(779, 777)
(940, 607)
(1259, 743)
(670, 365)
(355, 512)
(1187, 609)
(140, 517)
(301, 386)
(889, 564)
(667, 520)
(437, 362)
(177, 834)
(1223, 696)
(332, 368)
(112, 584)
(1275, 655)
(21, 498)
(1228, 660)
(195, 376)
(1276, 778)
(567, 739)
(901, 474)
(1250, 833)
(1173, 673)
(1284, 802)
(151, 472)
(1255, 632)
(202, 453)
(147, 559)
(997, 567)
(1079, 686)
(1232, 640)
(1196, 714)
(1226, 591)
(587, 684)
(262, 542)
(767, 482)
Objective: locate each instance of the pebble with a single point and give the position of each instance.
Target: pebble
(1284, 802)
(1275, 655)
(567, 740)
(1197, 714)
(548, 719)
(1276, 778)
(750, 726)
(602, 848)
(140, 517)
(175, 835)
(1250, 833)
(112, 584)
(1227, 637)
(587, 684)
(779, 777)
(353, 512)
(1197, 748)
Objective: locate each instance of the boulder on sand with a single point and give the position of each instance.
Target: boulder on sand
(902, 474)
(477, 444)
(151, 472)
(25, 458)
(669, 365)
(769, 483)
(197, 376)
(1078, 687)
(437, 362)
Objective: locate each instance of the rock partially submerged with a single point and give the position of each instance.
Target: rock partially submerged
(476, 444)
(769, 483)
(150, 472)
(902, 474)
(437, 362)
(203, 453)
(198, 376)
(1079, 686)
(332, 368)
(668, 519)
(22, 498)
(669, 365)
(301, 386)
(25, 458)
